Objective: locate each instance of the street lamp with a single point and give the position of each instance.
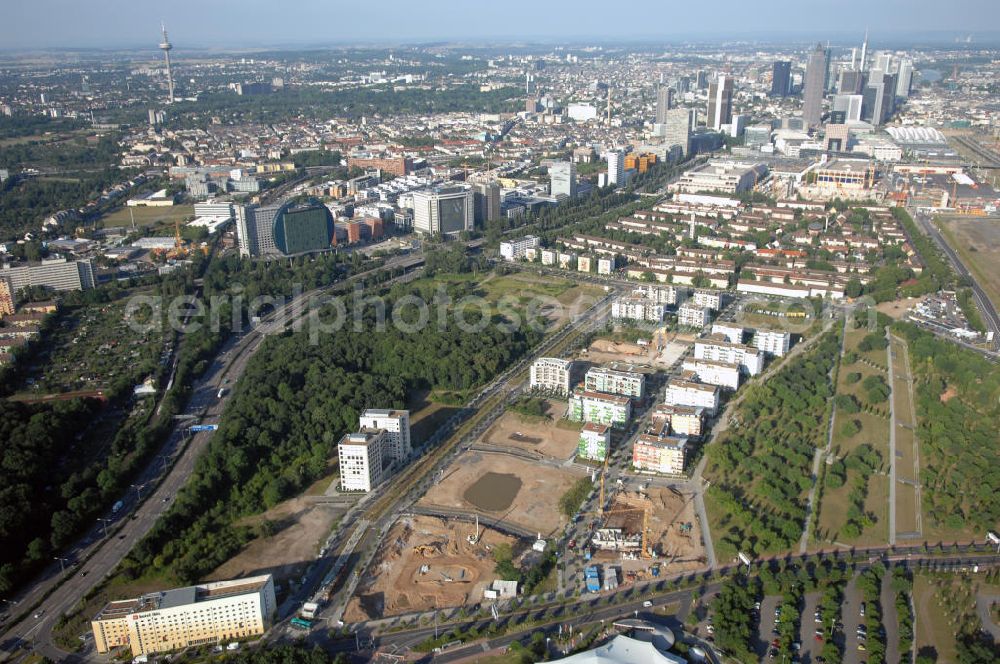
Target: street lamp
(62, 563)
(138, 490)
(105, 522)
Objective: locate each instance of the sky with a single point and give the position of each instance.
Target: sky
(44, 24)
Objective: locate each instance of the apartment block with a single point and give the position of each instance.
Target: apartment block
(659, 454)
(598, 407)
(732, 333)
(551, 374)
(723, 374)
(595, 441)
(361, 457)
(750, 360)
(688, 393)
(512, 250)
(691, 314)
(712, 299)
(626, 383)
(772, 342)
(680, 420)
(636, 308)
(396, 424)
(198, 615)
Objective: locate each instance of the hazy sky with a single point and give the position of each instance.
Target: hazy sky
(256, 23)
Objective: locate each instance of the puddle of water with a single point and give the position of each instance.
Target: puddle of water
(493, 492)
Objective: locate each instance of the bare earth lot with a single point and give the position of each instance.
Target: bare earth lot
(534, 504)
(606, 352)
(426, 563)
(535, 435)
(977, 241)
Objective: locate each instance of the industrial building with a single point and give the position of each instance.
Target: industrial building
(731, 177)
(205, 614)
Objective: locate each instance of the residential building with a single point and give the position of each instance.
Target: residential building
(58, 274)
(814, 86)
(732, 333)
(361, 455)
(512, 250)
(6, 297)
(595, 441)
(781, 78)
(712, 299)
(749, 359)
(598, 407)
(445, 210)
(551, 374)
(632, 307)
(395, 424)
(772, 342)
(616, 167)
(723, 374)
(720, 102)
(659, 454)
(688, 393)
(627, 383)
(690, 314)
(681, 420)
(562, 179)
(205, 614)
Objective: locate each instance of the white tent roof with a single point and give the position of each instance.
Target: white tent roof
(624, 650)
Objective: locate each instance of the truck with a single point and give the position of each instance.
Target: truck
(222, 393)
(117, 506)
(593, 579)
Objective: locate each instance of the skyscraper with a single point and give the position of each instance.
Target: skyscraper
(487, 197)
(720, 102)
(781, 78)
(616, 167)
(851, 82)
(562, 179)
(446, 210)
(678, 125)
(863, 60)
(905, 83)
(812, 91)
(664, 102)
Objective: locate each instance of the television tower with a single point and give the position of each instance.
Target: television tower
(165, 46)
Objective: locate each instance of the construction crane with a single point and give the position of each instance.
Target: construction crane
(604, 472)
(644, 551)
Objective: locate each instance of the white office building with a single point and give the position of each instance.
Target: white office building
(361, 457)
(396, 424)
(445, 210)
(772, 342)
(562, 179)
(513, 250)
(551, 374)
(616, 167)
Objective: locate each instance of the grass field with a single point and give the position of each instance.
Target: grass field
(977, 241)
(907, 473)
(931, 630)
(147, 216)
(875, 432)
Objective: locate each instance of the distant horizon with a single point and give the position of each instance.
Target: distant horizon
(112, 25)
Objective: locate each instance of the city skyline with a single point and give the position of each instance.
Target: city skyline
(116, 24)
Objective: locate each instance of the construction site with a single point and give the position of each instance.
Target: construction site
(426, 563)
(522, 492)
(659, 352)
(654, 524)
(548, 436)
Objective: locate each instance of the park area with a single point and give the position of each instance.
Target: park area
(546, 435)
(522, 492)
(860, 427)
(426, 563)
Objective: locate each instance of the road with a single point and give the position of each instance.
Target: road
(101, 555)
(989, 312)
(892, 442)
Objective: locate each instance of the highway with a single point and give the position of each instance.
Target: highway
(98, 555)
(982, 300)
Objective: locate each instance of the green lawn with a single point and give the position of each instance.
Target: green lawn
(147, 216)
